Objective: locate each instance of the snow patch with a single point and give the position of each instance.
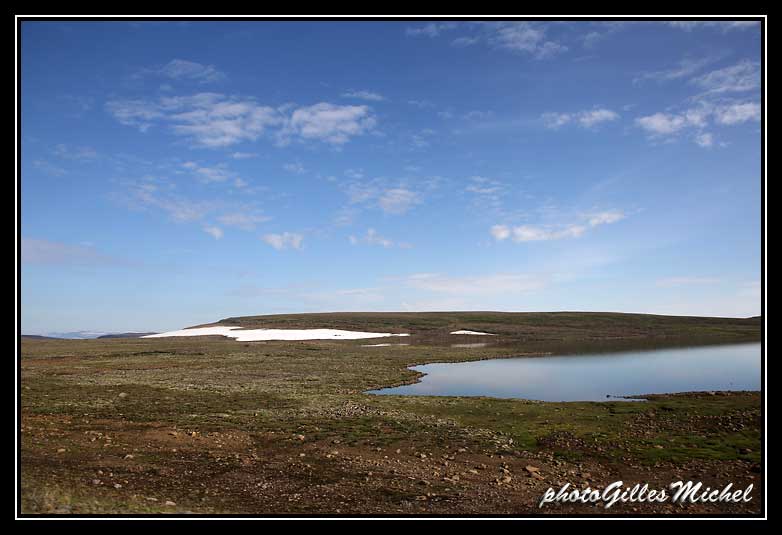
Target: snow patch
(254, 335)
(473, 332)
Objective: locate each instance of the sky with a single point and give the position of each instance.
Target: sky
(175, 173)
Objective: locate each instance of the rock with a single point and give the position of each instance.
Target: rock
(60, 450)
(532, 469)
(117, 486)
(96, 481)
(169, 503)
(128, 456)
(302, 437)
(123, 395)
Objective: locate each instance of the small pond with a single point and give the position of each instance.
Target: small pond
(594, 377)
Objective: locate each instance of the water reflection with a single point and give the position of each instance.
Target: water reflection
(593, 377)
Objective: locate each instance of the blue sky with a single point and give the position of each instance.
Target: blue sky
(177, 173)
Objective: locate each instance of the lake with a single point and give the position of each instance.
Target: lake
(592, 377)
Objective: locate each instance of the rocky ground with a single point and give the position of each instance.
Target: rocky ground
(210, 425)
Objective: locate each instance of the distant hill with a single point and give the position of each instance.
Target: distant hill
(520, 326)
(125, 335)
(37, 337)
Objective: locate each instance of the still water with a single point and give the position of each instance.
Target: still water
(592, 377)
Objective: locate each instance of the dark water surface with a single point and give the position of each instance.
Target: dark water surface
(592, 377)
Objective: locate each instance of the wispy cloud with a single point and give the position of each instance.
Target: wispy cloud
(737, 113)
(393, 198)
(243, 155)
(725, 26)
(373, 238)
(741, 77)
(584, 119)
(522, 37)
(398, 200)
(531, 233)
(181, 69)
(685, 68)
(329, 123)
(286, 240)
(244, 220)
(49, 168)
(218, 173)
(364, 95)
(667, 125)
(295, 167)
(213, 120)
(75, 153)
(433, 29)
(215, 232)
(525, 37)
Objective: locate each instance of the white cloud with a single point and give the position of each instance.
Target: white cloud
(704, 139)
(725, 26)
(286, 240)
(206, 174)
(500, 232)
(364, 95)
(147, 194)
(356, 174)
(590, 118)
(138, 113)
(180, 69)
(215, 232)
(737, 113)
(605, 218)
(243, 155)
(554, 120)
(242, 220)
(661, 125)
(465, 41)
(398, 200)
(329, 123)
(430, 30)
(520, 37)
(75, 153)
(530, 233)
(213, 120)
(371, 238)
(744, 76)
(49, 168)
(295, 167)
(525, 37)
(685, 67)
(585, 119)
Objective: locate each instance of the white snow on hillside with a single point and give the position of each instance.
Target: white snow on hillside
(253, 335)
(473, 332)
